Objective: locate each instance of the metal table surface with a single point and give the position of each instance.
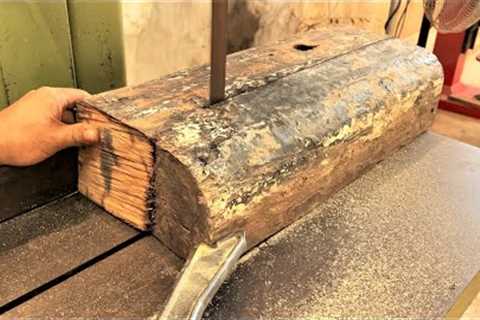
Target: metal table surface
(133, 283)
(401, 241)
(46, 243)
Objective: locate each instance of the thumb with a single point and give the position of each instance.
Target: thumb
(77, 135)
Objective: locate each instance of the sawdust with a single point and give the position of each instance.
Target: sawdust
(392, 244)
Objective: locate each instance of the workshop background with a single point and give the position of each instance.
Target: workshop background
(100, 45)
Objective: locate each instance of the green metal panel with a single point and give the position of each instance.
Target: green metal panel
(96, 30)
(3, 94)
(35, 47)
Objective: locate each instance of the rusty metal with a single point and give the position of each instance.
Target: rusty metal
(218, 53)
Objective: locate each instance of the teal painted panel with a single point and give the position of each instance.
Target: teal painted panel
(97, 40)
(35, 48)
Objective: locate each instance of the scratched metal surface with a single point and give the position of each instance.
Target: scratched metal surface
(401, 241)
(45, 243)
(132, 283)
(24, 188)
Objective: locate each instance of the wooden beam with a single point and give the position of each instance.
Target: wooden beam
(303, 118)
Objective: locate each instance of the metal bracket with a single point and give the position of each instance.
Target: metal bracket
(203, 274)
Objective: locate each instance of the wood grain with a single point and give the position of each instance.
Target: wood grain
(303, 118)
(457, 126)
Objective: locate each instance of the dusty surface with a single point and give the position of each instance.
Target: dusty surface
(401, 241)
(45, 243)
(133, 284)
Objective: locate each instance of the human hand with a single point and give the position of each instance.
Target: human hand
(35, 127)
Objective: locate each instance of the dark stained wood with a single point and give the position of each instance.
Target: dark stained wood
(307, 122)
(22, 189)
(133, 283)
(151, 106)
(106, 170)
(47, 242)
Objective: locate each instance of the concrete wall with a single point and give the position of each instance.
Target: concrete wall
(164, 36)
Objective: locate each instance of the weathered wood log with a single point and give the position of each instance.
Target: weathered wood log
(303, 118)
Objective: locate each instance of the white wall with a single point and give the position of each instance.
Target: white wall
(162, 37)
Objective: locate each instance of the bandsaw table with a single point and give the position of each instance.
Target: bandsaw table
(401, 241)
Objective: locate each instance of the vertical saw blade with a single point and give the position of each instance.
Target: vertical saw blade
(218, 50)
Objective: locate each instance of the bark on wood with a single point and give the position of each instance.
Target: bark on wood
(303, 118)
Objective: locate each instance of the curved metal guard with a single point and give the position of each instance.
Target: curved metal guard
(203, 274)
